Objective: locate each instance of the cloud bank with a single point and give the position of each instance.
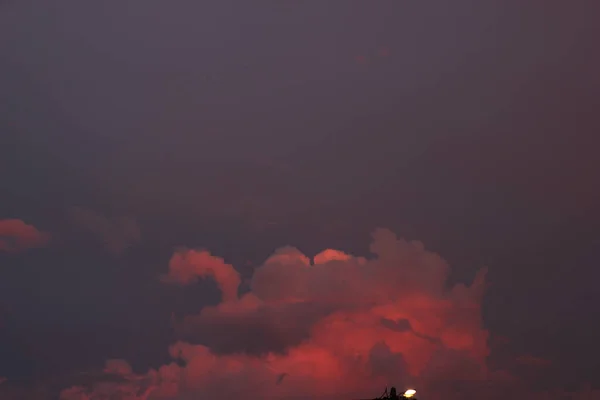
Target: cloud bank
(16, 236)
(334, 327)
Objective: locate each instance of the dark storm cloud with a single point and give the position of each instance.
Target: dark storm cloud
(400, 325)
(256, 332)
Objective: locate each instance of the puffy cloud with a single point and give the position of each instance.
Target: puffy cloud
(117, 381)
(252, 326)
(336, 326)
(118, 366)
(186, 266)
(16, 235)
(117, 234)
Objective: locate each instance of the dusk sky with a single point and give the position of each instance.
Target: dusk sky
(299, 199)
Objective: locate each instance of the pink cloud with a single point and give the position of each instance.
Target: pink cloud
(335, 326)
(16, 235)
(186, 266)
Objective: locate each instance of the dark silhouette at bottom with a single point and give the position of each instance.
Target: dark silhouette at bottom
(393, 395)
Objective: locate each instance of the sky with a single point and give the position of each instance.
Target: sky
(292, 200)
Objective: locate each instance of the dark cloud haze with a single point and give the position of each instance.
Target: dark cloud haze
(188, 191)
(116, 234)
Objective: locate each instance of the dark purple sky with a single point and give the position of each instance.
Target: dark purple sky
(244, 126)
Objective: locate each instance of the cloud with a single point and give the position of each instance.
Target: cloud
(252, 326)
(16, 235)
(119, 367)
(117, 234)
(335, 327)
(186, 266)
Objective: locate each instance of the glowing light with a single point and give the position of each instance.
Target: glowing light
(410, 393)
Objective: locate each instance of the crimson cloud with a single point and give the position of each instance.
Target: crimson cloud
(337, 326)
(16, 235)
(186, 266)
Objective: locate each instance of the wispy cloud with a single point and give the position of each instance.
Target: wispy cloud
(16, 235)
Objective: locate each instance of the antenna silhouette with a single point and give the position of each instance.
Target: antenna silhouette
(393, 395)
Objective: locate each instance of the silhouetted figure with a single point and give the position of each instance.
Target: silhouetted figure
(393, 394)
